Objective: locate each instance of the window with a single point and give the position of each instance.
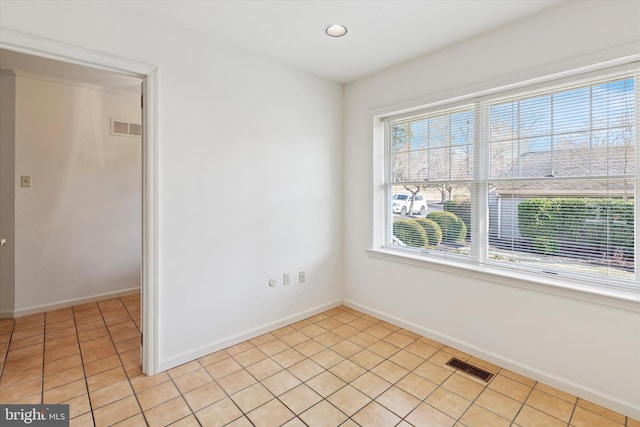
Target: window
(541, 181)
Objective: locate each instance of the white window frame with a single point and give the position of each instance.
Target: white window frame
(628, 299)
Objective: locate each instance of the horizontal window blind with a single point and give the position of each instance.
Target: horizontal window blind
(543, 182)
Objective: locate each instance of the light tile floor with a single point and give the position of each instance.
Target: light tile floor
(341, 367)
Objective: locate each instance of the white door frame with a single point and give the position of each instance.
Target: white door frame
(38, 46)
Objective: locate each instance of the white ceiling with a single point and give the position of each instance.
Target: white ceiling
(382, 33)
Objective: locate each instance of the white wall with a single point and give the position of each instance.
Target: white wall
(250, 175)
(7, 192)
(78, 227)
(585, 348)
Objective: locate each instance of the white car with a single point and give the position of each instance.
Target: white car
(402, 202)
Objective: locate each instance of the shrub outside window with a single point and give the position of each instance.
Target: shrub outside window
(542, 181)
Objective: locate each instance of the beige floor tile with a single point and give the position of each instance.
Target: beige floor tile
(631, 422)
(143, 382)
(281, 382)
(288, 357)
(110, 394)
(416, 385)
(584, 418)
(378, 331)
(327, 358)
(366, 359)
(398, 401)
(106, 378)
(325, 384)
(250, 357)
(223, 368)
(15, 393)
(59, 353)
(306, 370)
(26, 362)
(65, 392)
(213, 358)
(383, 349)
(310, 347)
(101, 365)
(345, 317)
(399, 340)
(499, 403)
(463, 386)
(273, 347)
(85, 420)
(116, 411)
(240, 422)
(167, 412)
(189, 421)
(427, 415)
(347, 370)
(407, 359)
(282, 331)
(204, 396)
(252, 397)
(477, 416)
(323, 415)
(78, 405)
(328, 339)
(449, 403)
(264, 369)
(432, 372)
(375, 415)
(371, 384)
(550, 405)
(294, 338)
(349, 400)
(510, 388)
(98, 353)
(363, 339)
(557, 393)
(597, 409)
(64, 377)
(296, 422)
(271, 414)
(262, 339)
(156, 395)
(135, 421)
(330, 324)
(10, 379)
(390, 371)
(312, 331)
(219, 414)
(236, 381)
(300, 398)
(346, 348)
(192, 380)
(184, 369)
(530, 417)
(361, 324)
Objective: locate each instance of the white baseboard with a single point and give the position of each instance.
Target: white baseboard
(568, 386)
(244, 336)
(67, 303)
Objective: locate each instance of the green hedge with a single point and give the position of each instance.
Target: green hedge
(410, 233)
(453, 228)
(580, 223)
(433, 230)
(462, 209)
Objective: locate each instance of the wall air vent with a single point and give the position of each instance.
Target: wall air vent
(470, 369)
(125, 129)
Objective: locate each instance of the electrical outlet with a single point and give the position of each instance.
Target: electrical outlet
(302, 277)
(286, 280)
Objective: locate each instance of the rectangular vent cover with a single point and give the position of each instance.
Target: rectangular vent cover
(125, 129)
(470, 369)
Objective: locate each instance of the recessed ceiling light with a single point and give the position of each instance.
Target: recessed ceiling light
(336, 30)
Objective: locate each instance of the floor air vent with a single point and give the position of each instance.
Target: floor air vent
(470, 369)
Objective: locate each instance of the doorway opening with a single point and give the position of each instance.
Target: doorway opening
(116, 69)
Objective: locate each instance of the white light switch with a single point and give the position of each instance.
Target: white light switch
(25, 181)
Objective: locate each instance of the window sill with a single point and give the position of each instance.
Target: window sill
(616, 298)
